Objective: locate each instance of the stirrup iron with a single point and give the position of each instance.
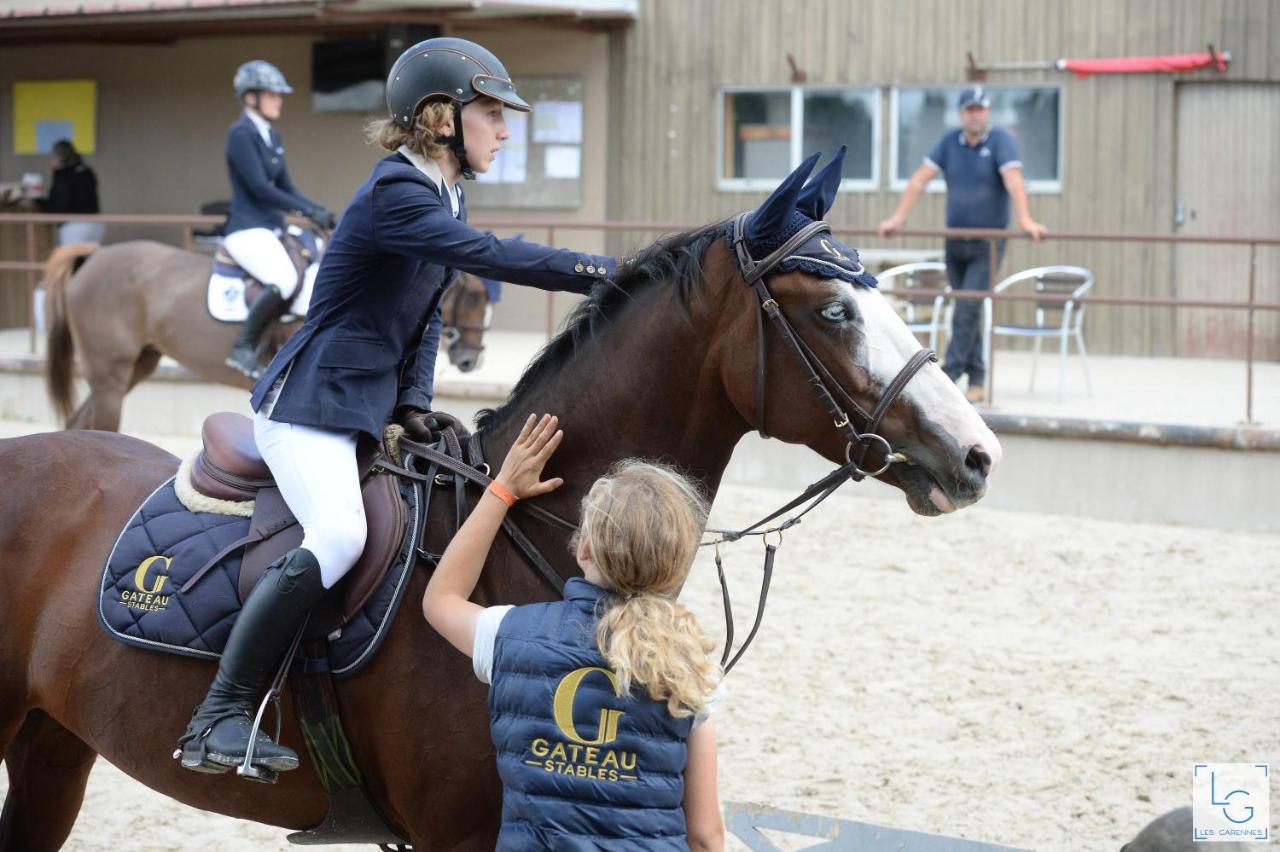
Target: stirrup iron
(262, 773)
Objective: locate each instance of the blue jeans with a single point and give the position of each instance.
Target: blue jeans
(968, 268)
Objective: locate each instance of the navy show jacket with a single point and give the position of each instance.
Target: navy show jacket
(261, 189)
(369, 341)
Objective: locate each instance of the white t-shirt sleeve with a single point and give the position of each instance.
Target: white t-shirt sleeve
(711, 706)
(486, 637)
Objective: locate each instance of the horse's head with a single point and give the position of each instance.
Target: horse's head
(466, 311)
(850, 332)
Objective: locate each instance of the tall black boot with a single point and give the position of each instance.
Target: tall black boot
(244, 355)
(218, 736)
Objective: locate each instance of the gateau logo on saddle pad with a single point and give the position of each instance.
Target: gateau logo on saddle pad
(575, 754)
(148, 581)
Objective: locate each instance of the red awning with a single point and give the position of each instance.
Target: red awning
(1174, 64)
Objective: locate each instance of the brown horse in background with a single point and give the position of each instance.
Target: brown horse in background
(661, 366)
(124, 306)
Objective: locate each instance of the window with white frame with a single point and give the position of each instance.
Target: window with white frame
(1033, 114)
(765, 133)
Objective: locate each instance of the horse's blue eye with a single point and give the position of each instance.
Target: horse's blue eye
(835, 312)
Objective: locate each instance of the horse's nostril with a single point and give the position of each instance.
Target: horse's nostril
(979, 461)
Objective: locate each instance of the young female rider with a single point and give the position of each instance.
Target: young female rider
(598, 702)
(261, 190)
(366, 352)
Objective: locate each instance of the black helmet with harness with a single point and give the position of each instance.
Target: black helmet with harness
(448, 68)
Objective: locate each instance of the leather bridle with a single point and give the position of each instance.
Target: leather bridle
(837, 401)
(823, 383)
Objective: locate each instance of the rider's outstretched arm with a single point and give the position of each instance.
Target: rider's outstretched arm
(411, 222)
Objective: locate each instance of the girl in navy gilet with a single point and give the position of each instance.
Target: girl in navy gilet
(599, 703)
(366, 355)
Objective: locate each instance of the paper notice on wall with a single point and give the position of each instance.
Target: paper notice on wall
(511, 164)
(557, 122)
(562, 162)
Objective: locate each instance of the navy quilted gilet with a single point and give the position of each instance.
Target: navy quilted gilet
(581, 768)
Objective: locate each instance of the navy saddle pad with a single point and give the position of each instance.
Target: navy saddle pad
(164, 544)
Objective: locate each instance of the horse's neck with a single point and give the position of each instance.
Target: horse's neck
(644, 387)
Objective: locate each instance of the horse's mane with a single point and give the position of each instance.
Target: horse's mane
(675, 260)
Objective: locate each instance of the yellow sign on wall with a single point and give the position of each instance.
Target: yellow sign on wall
(45, 111)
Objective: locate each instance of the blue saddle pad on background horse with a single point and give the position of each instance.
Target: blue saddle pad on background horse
(163, 544)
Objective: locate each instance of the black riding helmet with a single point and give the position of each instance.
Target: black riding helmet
(451, 68)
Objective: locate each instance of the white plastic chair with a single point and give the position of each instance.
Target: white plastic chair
(923, 313)
(1071, 281)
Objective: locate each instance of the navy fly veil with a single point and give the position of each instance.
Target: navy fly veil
(793, 206)
(822, 254)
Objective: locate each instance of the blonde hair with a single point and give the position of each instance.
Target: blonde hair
(642, 523)
(424, 138)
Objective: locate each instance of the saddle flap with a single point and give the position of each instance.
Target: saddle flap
(269, 511)
(387, 520)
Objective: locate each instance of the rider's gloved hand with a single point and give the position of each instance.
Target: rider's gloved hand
(423, 426)
(323, 218)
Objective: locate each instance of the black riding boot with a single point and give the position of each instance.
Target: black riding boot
(218, 736)
(244, 355)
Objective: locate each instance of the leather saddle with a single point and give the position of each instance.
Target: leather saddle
(231, 468)
(301, 256)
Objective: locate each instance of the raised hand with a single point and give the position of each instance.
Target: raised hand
(522, 468)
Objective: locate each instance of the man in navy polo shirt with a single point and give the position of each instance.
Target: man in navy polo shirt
(983, 170)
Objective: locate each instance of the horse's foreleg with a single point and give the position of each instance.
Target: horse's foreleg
(48, 770)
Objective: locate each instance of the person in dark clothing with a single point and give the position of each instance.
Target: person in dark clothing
(73, 189)
(619, 648)
(261, 193)
(983, 170)
(366, 354)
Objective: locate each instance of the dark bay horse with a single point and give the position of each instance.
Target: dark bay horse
(662, 366)
(128, 304)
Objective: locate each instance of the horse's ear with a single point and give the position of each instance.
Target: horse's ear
(773, 214)
(820, 192)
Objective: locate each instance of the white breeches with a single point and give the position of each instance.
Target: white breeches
(260, 253)
(316, 472)
(70, 233)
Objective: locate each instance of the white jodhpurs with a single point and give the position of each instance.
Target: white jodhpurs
(260, 253)
(316, 472)
(70, 233)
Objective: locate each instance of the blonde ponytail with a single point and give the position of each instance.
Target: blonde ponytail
(657, 642)
(642, 523)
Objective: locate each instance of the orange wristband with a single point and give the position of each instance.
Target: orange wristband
(501, 492)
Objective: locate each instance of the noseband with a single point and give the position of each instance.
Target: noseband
(820, 379)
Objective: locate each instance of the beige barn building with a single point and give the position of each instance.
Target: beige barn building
(689, 110)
